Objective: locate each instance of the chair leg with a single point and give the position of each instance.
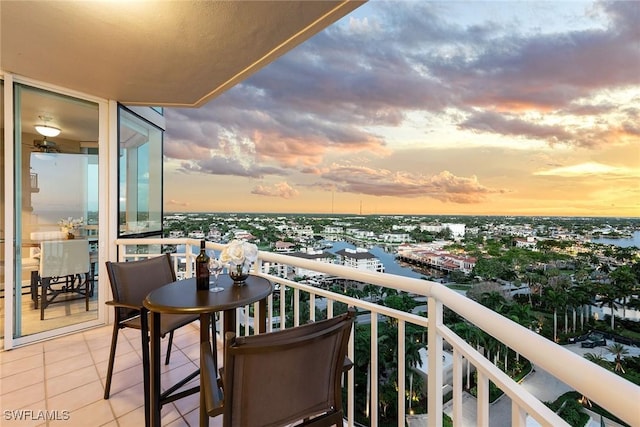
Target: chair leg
(34, 287)
(86, 292)
(112, 356)
(214, 342)
(43, 295)
(169, 344)
(144, 330)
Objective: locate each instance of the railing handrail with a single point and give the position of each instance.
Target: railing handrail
(609, 390)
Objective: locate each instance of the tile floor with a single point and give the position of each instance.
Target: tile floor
(64, 379)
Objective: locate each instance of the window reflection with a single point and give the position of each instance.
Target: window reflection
(140, 176)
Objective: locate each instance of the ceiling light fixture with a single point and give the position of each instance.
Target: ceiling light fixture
(46, 146)
(46, 130)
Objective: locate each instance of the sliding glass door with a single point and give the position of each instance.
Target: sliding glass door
(55, 197)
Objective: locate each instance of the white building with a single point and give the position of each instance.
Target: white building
(457, 230)
(395, 237)
(360, 234)
(331, 229)
(319, 256)
(361, 259)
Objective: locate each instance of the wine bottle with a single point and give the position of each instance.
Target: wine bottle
(202, 269)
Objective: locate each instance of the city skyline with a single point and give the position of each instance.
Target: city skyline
(452, 108)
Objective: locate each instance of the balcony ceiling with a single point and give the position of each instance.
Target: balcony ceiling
(162, 53)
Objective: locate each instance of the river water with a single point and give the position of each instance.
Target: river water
(623, 243)
(388, 259)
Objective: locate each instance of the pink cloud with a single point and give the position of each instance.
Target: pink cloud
(282, 190)
(443, 186)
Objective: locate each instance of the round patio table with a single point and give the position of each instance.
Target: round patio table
(182, 297)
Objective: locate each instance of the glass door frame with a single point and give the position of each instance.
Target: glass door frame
(107, 123)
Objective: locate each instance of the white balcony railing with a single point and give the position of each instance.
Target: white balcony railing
(617, 395)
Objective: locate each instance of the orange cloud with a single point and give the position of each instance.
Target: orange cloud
(174, 202)
(282, 190)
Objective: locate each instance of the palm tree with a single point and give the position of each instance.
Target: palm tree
(618, 350)
(624, 254)
(556, 298)
(493, 300)
(604, 268)
(374, 292)
(596, 358)
(582, 295)
(471, 334)
(608, 296)
(584, 292)
(521, 314)
(530, 278)
(625, 282)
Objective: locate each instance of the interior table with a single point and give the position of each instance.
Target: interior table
(182, 297)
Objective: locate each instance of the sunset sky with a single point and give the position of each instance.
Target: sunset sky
(424, 107)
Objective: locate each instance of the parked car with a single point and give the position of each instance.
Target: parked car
(578, 339)
(594, 340)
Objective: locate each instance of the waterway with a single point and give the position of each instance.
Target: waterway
(384, 254)
(634, 240)
(387, 258)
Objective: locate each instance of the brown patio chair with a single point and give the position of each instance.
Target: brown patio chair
(292, 376)
(131, 282)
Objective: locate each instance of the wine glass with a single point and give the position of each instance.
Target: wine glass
(215, 267)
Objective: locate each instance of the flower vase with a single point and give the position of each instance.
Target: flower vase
(68, 232)
(239, 273)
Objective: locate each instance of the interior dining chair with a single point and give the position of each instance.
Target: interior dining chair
(63, 269)
(131, 282)
(291, 377)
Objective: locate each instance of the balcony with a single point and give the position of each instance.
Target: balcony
(518, 406)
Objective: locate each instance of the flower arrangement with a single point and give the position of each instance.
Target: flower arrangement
(70, 223)
(239, 255)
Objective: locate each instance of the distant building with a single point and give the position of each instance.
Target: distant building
(176, 234)
(281, 246)
(457, 230)
(214, 235)
(432, 255)
(394, 237)
(528, 243)
(301, 231)
(361, 259)
(330, 229)
(319, 256)
(239, 234)
(198, 234)
(275, 268)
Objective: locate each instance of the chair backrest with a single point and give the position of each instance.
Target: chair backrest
(64, 257)
(132, 281)
(286, 376)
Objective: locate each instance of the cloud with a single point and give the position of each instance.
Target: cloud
(425, 73)
(547, 71)
(503, 124)
(282, 190)
(590, 168)
(443, 186)
(217, 165)
(327, 94)
(174, 202)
